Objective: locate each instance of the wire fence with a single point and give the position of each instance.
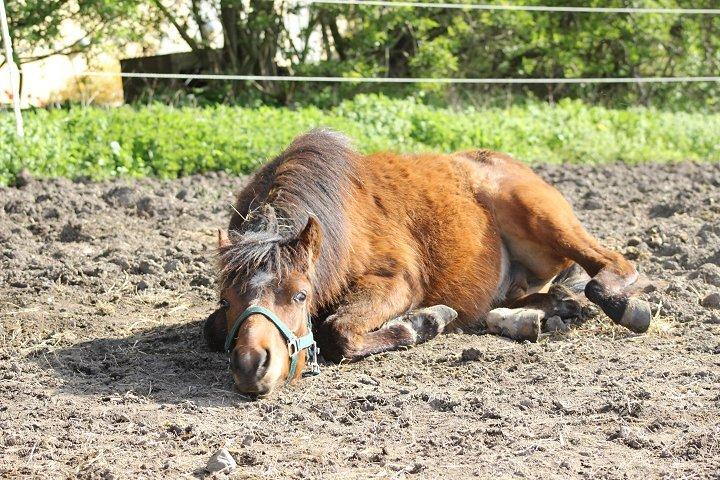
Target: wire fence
(434, 80)
(449, 80)
(445, 80)
(522, 8)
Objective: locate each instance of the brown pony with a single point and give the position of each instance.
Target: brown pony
(386, 251)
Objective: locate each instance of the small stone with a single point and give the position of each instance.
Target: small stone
(182, 194)
(142, 285)
(555, 324)
(471, 355)
(221, 461)
(711, 301)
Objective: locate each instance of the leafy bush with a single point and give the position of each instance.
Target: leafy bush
(167, 142)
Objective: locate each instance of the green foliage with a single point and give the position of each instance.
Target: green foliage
(361, 40)
(168, 142)
(412, 42)
(36, 26)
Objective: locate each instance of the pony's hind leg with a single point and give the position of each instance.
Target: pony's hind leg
(542, 232)
(521, 318)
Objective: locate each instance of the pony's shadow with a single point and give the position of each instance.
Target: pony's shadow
(168, 364)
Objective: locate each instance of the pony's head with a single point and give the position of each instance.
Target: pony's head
(268, 266)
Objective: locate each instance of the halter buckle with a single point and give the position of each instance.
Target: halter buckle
(293, 347)
(312, 355)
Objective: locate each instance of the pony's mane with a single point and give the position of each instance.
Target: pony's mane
(311, 177)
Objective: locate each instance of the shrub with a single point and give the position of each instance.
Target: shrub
(168, 142)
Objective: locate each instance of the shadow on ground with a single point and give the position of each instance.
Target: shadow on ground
(168, 364)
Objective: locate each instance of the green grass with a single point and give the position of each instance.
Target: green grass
(168, 142)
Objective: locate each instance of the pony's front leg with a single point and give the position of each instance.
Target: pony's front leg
(376, 319)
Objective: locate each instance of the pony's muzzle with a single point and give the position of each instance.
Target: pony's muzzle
(250, 367)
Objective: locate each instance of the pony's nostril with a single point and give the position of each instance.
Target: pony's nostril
(266, 363)
(251, 364)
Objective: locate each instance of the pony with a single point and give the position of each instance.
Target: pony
(371, 253)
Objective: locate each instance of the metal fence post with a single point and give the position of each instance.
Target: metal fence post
(14, 71)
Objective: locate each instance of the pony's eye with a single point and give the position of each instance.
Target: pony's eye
(224, 303)
(300, 297)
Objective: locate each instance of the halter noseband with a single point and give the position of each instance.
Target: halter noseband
(295, 344)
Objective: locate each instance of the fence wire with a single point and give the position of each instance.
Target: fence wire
(446, 80)
(522, 8)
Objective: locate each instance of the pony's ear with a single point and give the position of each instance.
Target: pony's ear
(310, 238)
(223, 239)
(215, 330)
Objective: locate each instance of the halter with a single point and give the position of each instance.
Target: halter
(295, 344)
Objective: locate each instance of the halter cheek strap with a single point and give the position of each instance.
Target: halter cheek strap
(295, 344)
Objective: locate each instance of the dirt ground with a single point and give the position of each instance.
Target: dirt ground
(104, 373)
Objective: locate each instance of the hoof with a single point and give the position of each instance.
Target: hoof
(425, 323)
(637, 315)
(441, 313)
(516, 323)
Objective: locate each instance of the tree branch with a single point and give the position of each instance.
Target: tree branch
(180, 29)
(65, 50)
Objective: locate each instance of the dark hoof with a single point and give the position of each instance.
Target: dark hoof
(637, 315)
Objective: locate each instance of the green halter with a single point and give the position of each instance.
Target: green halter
(295, 344)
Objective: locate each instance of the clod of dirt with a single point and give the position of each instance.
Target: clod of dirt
(555, 324)
(710, 273)
(634, 241)
(72, 232)
(23, 178)
(711, 301)
(171, 266)
(119, 197)
(146, 206)
(146, 268)
(221, 461)
(629, 437)
(201, 281)
(471, 355)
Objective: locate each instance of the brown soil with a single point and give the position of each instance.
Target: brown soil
(104, 374)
